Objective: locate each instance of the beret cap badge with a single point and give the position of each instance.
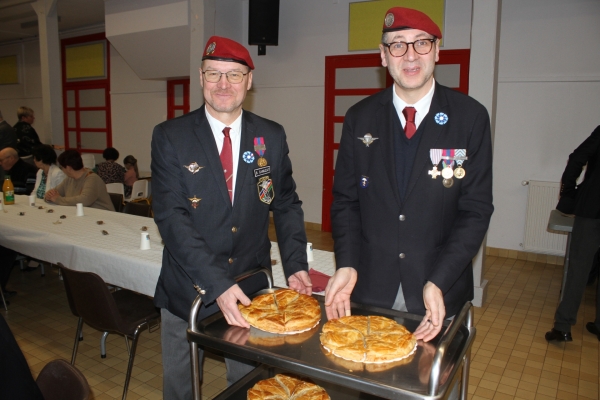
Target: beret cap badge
(211, 48)
(389, 19)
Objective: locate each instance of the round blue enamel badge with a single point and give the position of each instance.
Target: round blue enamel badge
(248, 157)
(441, 118)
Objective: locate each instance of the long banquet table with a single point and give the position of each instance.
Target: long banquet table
(78, 243)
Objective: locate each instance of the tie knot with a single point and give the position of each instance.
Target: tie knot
(226, 131)
(409, 113)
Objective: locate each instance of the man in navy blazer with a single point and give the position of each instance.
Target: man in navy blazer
(217, 172)
(404, 235)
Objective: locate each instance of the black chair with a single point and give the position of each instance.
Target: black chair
(60, 380)
(123, 311)
(117, 200)
(141, 209)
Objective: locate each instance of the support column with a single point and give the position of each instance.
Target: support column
(202, 26)
(50, 69)
(483, 84)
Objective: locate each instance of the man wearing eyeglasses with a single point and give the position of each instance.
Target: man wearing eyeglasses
(404, 235)
(217, 172)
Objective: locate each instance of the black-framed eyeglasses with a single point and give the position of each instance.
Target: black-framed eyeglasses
(421, 46)
(215, 76)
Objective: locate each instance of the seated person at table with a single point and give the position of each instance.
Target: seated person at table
(22, 174)
(109, 170)
(80, 186)
(49, 174)
(131, 175)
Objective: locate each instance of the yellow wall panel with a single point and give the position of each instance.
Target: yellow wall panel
(366, 19)
(9, 73)
(85, 61)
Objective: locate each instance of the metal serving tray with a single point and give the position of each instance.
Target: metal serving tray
(427, 374)
(239, 390)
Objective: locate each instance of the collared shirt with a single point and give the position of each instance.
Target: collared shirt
(422, 106)
(236, 136)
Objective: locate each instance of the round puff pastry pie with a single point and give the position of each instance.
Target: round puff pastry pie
(284, 387)
(284, 311)
(368, 339)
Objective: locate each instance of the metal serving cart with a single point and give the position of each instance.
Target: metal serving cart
(429, 373)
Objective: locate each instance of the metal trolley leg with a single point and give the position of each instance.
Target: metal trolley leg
(193, 327)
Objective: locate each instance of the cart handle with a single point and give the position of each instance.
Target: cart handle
(464, 316)
(193, 328)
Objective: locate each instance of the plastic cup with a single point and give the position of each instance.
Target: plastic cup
(145, 241)
(79, 210)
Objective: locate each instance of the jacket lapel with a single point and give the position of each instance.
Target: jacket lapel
(385, 127)
(246, 144)
(206, 138)
(431, 132)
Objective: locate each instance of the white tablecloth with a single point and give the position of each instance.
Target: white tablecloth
(78, 243)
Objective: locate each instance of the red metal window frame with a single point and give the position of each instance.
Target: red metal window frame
(332, 63)
(103, 83)
(171, 106)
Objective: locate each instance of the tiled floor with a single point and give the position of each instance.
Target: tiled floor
(511, 359)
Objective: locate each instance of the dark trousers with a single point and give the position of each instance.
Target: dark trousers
(7, 261)
(177, 370)
(585, 240)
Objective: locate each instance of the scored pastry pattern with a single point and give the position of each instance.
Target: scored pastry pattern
(284, 311)
(284, 387)
(368, 339)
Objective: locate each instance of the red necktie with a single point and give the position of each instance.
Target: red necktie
(227, 161)
(410, 128)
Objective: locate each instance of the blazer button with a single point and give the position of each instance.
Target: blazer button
(402, 255)
(231, 261)
(401, 217)
(234, 229)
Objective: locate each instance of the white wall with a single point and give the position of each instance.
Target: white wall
(548, 100)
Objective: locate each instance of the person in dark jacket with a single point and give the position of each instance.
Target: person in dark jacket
(585, 237)
(27, 137)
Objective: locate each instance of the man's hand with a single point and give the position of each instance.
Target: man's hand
(338, 291)
(51, 195)
(431, 324)
(227, 302)
(300, 282)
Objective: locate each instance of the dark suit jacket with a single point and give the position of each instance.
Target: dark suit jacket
(587, 194)
(23, 176)
(213, 243)
(438, 229)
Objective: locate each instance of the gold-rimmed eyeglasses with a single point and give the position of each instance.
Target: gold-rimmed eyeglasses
(215, 76)
(421, 46)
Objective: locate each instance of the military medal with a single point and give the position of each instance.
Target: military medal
(266, 194)
(460, 155)
(367, 139)
(195, 201)
(436, 156)
(260, 148)
(447, 162)
(193, 167)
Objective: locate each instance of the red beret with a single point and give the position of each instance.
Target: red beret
(400, 18)
(223, 49)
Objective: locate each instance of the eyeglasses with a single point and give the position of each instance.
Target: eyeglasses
(421, 46)
(215, 76)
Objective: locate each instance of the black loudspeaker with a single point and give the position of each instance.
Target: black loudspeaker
(263, 24)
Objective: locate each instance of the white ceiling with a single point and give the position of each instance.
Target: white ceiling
(73, 14)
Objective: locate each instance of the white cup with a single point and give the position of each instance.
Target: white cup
(79, 210)
(309, 252)
(32, 200)
(145, 243)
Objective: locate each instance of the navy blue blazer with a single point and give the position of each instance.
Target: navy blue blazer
(434, 232)
(212, 243)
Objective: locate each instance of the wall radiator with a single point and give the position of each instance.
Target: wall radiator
(542, 199)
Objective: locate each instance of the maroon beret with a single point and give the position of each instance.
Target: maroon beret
(400, 18)
(223, 49)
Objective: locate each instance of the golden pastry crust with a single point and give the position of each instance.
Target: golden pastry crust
(285, 387)
(284, 311)
(368, 339)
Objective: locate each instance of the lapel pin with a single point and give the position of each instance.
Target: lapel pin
(367, 139)
(195, 201)
(441, 118)
(193, 167)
